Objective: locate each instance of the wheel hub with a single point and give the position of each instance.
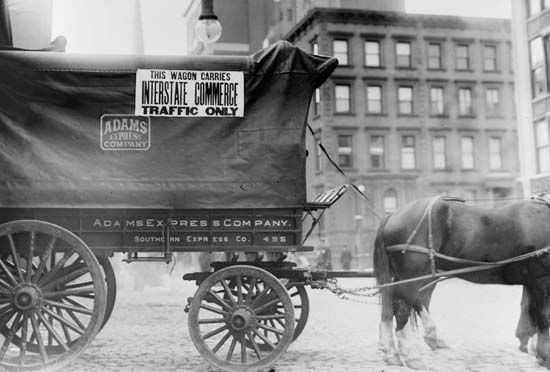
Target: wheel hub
(27, 297)
(241, 319)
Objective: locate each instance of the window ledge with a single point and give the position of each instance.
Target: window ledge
(345, 66)
(407, 115)
(379, 114)
(344, 113)
(464, 70)
(492, 71)
(375, 67)
(415, 170)
(380, 170)
(469, 116)
(434, 69)
(443, 170)
(495, 116)
(441, 116)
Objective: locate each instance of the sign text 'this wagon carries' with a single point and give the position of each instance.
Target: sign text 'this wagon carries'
(188, 93)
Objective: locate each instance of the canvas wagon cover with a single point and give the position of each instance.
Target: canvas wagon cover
(51, 153)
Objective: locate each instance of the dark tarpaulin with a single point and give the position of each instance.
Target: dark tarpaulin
(50, 154)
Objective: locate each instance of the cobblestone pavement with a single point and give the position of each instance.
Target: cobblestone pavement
(148, 332)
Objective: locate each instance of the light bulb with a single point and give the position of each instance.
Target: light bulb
(208, 30)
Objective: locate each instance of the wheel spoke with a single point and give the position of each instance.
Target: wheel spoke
(264, 339)
(213, 309)
(78, 309)
(53, 272)
(219, 300)
(243, 348)
(231, 348)
(14, 327)
(23, 346)
(31, 255)
(228, 293)
(254, 345)
(271, 316)
(52, 332)
(212, 321)
(267, 305)
(248, 298)
(239, 290)
(67, 277)
(277, 332)
(75, 318)
(5, 316)
(44, 259)
(64, 322)
(221, 342)
(79, 285)
(69, 292)
(36, 333)
(16, 259)
(8, 272)
(64, 326)
(214, 332)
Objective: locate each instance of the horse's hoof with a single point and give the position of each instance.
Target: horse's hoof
(383, 348)
(393, 360)
(523, 348)
(442, 344)
(431, 342)
(415, 364)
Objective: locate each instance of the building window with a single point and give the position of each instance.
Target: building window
(467, 152)
(372, 53)
(538, 69)
(408, 152)
(542, 143)
(317, 102)
(495, 153)
(374, 99)
(492, 101)
(405, 98)
(390, 201)
(437, 106)
(340, 51)
(462, 57)
(345, 150)
(465, 107)
(403, 52)
(376, 151)
(490, 58)
(439, 153)
(434, 56)
(343, 98)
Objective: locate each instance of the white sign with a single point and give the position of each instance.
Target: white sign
(189, 93)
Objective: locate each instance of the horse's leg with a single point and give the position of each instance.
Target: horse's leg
(422, 308)
(406, 342)
(385, 340)
(539, 312)
(525, 328)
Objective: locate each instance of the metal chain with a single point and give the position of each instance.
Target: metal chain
(350, 294)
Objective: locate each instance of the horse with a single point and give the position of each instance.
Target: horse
(433, 235)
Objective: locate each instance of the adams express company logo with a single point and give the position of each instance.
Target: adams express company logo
(125, 133)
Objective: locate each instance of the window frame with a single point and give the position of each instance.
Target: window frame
(471, 110)
(379, 54)
(347, 52)
(349, 99)
(442, 152)
(380, 100)
(459, 58)
(383, 153)
(498, 153)
(340, 153)
(495, 67)
(538, 67)
(492, 109)
(439, 57)
(403, 153)
(441, 112)
(399, 57)
(400, 101)
(471, 154)
(544, 147)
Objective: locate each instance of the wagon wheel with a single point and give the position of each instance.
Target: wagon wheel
(51, 304)
(110, 281)
(218, 324)
(300, 301)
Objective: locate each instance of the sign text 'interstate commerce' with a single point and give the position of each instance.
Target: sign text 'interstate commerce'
(189, 93)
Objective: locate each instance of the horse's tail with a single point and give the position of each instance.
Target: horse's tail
(383, 271)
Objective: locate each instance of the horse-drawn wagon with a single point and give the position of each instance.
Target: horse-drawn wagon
(149, 154)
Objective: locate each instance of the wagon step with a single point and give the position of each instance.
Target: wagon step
(135, 257)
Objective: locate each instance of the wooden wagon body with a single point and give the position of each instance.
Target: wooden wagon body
(151, 154)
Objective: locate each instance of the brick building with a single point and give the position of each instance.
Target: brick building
(531, 26)
(420, 105)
